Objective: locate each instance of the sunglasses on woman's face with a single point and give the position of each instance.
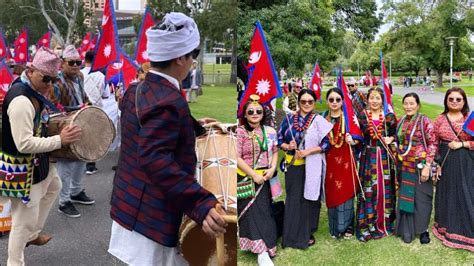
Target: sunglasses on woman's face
(252, 111)
(332, 100)
(74, 62)
(308, 102)
(350, 85)
(451, 99)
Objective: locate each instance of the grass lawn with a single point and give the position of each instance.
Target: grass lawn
(389, 250)
(468, 89)
(214, 68)
(219, 102)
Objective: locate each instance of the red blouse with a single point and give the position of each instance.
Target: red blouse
(444, 132)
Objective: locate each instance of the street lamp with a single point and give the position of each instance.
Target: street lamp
(451, 44)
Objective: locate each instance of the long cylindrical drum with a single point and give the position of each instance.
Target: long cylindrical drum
(217, 164)
(98, 133)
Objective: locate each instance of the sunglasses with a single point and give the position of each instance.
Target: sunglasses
(74, 62)
(195, 53)
(451, 100)
(48, 79)
(252, 112)
(304, 102)
(332, 100)
(350, 86)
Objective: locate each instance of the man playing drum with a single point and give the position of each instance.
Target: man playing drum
(154, 183)
(25, 115)
(69, 94)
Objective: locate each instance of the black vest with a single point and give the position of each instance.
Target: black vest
(8, 146)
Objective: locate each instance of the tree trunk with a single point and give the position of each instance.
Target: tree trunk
(428, 71)
(439, 82)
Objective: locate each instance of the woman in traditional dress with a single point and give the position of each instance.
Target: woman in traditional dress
(376, 203)
(341, 180)
(454, 201)
(416, 147)
(302, 135)
(257, 161)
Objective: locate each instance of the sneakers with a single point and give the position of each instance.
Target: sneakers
(82, 198)
(69, 210)
(264, 259)
(92, 171)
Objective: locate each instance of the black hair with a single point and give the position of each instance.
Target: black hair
(167, 63)
(306, 91)
(465, 109)
(412, 94)
(89, 57)
(244, 121)
(377, 89)
(336, 90)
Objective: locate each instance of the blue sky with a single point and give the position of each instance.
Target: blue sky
(129, 4)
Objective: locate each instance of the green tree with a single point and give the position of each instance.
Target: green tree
(301, 32)
(17, 14)
(421, 27)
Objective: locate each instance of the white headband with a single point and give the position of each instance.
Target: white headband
(166, 42)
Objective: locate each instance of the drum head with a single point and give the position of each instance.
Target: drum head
(199, 249)
(98, 133)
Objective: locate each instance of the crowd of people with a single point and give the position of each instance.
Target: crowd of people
(379, 185)
(146, 223)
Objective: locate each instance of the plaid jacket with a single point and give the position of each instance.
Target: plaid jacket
(154, 184)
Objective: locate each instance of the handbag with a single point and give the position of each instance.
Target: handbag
(16, 176)
(245, 189)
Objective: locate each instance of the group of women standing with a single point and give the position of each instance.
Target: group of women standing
(399, 161)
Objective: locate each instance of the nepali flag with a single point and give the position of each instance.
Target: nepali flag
(4, 49)
(263, 79)
(316, 84)
(44, 41)
(6, 77)
(85, 45)
(469, 125)
(350, 117)
(147, 22)
(125, 69)
(387, 95)
(21, 48)
(107, 49)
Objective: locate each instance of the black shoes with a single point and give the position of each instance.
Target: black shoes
(69, 210)
(82, 198)
(425, 238)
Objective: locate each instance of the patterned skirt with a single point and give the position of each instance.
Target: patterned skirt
(257, 227)
(376, 203)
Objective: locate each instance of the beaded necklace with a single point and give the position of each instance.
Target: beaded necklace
(337, 140)
(402, 132)
(263, 144)
(375, 131)
(306, 125)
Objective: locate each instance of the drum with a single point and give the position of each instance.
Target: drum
(217, 172)
(98, 133)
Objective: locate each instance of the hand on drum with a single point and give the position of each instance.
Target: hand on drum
(214, 224)
(70, 134)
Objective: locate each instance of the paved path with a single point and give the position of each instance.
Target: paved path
(78, 241)
(426, 96)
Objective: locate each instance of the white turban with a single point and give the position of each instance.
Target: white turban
(166, 43)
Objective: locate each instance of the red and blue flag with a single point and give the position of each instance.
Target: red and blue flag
(263, 79)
